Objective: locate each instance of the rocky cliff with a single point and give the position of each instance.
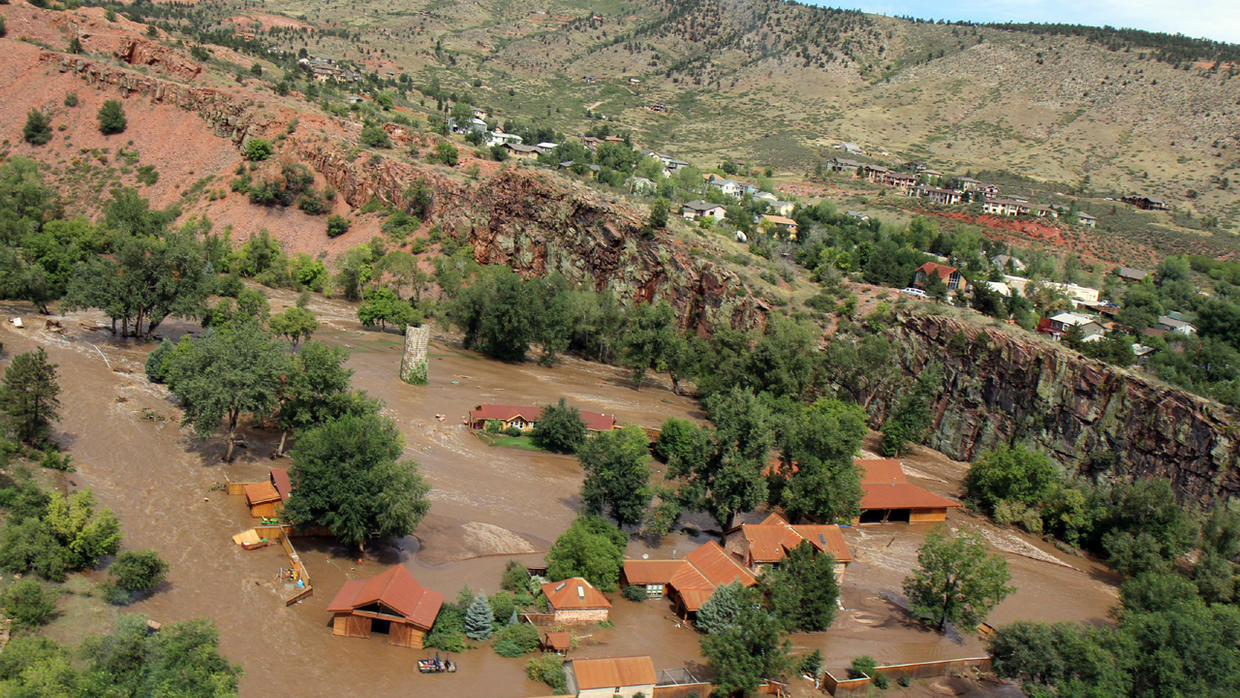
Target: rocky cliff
(998, 388)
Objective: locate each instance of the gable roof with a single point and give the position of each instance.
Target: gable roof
(884, 486)
(397, 589)
(694, 577)
(613, 672)
(261, 493)
(1131, 273)
(941, 270)
(279, 478)
(770, 541)
(717, 566)
(880, 471)
(700, 205)
(779, 220)
(574, 593)
(594, 421)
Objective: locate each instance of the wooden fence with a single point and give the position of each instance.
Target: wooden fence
(683, 690)
(841, 688)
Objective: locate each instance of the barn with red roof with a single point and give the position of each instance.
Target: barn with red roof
(887, 495)
(392, 603)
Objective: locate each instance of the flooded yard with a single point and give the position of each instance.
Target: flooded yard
(489, 505)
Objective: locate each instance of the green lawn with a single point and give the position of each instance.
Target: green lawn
(524, 443)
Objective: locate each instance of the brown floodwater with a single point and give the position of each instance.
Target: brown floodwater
(489, 505)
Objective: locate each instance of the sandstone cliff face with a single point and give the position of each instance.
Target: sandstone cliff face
(998, 388)
(536, 225)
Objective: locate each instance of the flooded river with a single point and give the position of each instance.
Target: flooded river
(489, 505)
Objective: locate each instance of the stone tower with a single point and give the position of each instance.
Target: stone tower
(415, 363)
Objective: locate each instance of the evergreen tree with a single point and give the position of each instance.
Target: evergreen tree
(112, 117)
(38, 129)
(28, 396)
(479, 619)
(721, 609)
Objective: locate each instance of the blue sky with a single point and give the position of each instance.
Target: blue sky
(1213, 19)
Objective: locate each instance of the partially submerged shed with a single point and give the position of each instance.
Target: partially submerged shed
(392, 602)
(887, 495)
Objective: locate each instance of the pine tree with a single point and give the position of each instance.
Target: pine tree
(37, 130)
(478, 619)
(112, 117)
(28, 396)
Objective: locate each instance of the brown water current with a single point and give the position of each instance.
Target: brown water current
(489, 505)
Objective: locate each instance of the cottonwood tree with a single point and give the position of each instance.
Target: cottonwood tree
(384, 307)
(748, 650)
(346, 477)
(591, 548)
(29, 396)
(957, 581)
(821, 442)
(803, 589)
(650, 340)
(230, 371)
(295, 324)
(317, 391)
(560, 429)
(617, 474)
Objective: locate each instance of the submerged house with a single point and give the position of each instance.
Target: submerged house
(264, 498)
(392, 603)
(887, 495)
(764, 545)
(689, 581)
(619, 677)
(524, 417)
(575, 600)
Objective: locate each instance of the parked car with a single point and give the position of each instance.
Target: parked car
(913, 291)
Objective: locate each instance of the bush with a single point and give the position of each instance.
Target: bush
(448, 632)
(337, 225)
(502, 607)
(515, 640)
(861, 667)
(373, 136)
(156, 372)
(112, 117)
(513, 431)
(257, 149)
(446, 153)
(635, 592)
(811, 664)
(29, 603)
(549, 669)
(37, 130)
(71, 99)
(560, 429)
(138, 570)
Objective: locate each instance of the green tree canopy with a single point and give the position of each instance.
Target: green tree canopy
(38, 128)
(747, 651)
(346, 477)
(29, 396)
(957, 581)
(1013, 474)
(385, 307)
(617, 474)
(230, 371)
(138, 570)
(560, 429)
(803, 589)
(591, 548)
(112, 117)
(822, 441)
(294, 324)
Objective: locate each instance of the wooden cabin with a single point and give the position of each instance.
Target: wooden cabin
(392, 603)
(886, 495)
(265, 498)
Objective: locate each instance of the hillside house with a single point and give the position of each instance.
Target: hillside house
(522, 152)
(781, 224)
(1174, 322)
(392, 603)
(642, 185)
(546, 146)
(575, 600)
(951, 276)
(697, 209)
(524, 417)
(1086, 220)
(1059, 325)
(1006, 207)
(783, 208)
(887, 495)
(1146, 203)
(764, 545)
(936, 195)
(670, 165)
(689, 581)
(501, 138)
(850, 148)
(619, 677)
(851, 167)
(1044, 211)
(765, 196)
(1131, 275)
(727, 187)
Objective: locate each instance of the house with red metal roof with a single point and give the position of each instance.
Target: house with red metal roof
(618, 677)
(689, 581)
(392, 603)
(764, 545)
(523, 417)
(887, 495)
(575, 600)
(950, 276)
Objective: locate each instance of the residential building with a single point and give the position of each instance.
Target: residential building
(783, 208)
(782, 224)
(951, 276)
(1148, 203)
(1131, 275)
(546, 146)
(1175, 322)
(523, 417)
(887, 495)
(845, 165)
(727, 187)
(850, 148)
(575, 600)
(1059, 325)
(765, 196)
(522, 152)
(501, 138)
(1005, 207)
(392, 602)
(1086, 220)
(696, 209)
(619, 677)
(689, 581)
(765, 545)
(936, 195)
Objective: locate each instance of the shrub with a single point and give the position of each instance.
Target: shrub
(635, 592)
(257, 149)
(447, 153)
(138, 570)
(71, 99)
(55, 460)
(337, 225)
(493, 426)
(515, 640)
(560, 429)
(549, 669)
(861, 667)
(3, 29)
(516, 578)
(502, 607)
(448, 632)
(811, 663)
(513, 431)
(373, 136)
(112, 117)
(37, 130)
(312, 203)
(29, 603)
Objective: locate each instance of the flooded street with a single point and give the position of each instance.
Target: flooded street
(489, 505)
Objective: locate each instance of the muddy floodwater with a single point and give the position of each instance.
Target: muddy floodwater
(489, 505)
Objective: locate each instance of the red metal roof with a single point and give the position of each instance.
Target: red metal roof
(826, 538)
(880, 470)
(613, 673)
(651, 571)
(942, 270)
(771, 540)
(901, 495)
(395, 589)
(558, 641)
(279, 478)
(574, 593)
(719, 567)
(694, 577)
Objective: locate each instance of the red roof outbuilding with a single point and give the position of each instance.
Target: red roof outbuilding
(395, 589)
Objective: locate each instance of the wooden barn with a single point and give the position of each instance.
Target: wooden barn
(886, 495)
(264, 498)
(392, 603)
